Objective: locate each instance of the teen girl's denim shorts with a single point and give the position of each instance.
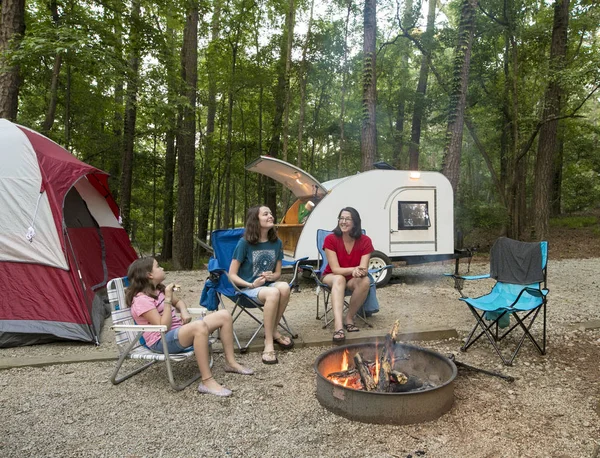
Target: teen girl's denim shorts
(172, 340)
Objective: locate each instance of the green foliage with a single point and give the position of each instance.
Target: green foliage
(574, 222)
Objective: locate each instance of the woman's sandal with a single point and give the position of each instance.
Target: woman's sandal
(339, 336)
(351, 327)
(269, 357)
(282, 342)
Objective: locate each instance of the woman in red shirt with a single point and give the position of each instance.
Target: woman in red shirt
(348, 251)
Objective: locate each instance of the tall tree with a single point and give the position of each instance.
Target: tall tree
(344, 90)
(212, 53)
(368, 138)
(419, 107)
(183, 256)
(289, 25)
(547, 143)
(303, 80)
(130, 114)
(12, 29)
(53, 93)
(458, 94)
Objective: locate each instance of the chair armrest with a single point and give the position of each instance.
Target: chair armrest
(379, 269)
(140, 327)
(468, 277)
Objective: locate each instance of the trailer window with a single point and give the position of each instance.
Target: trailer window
(413, 215)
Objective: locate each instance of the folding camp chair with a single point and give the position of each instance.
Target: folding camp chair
(128, 335)
(224, 242)
(325, 290)
(520, 292)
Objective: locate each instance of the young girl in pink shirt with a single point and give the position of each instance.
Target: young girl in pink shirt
(153, 303)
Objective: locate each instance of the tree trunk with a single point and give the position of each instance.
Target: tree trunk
(557, 179)
(290, 19)
(229, 154)
(117, 126)
(547, 143)
(12, 29)
(203, 211)
(343, 95)
(275, 143)
(368, 138)
(170, 151)
(458, 94)
(53, 96)
(303, 81)
(419, 108)
(183, 246)
(401, 107)
(130, 116)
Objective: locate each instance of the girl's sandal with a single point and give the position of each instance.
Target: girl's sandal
(339, 336)
(269, 357)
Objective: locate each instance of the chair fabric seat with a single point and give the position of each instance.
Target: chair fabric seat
(503, 296)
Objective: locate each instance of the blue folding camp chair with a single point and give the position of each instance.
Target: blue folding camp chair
(224, 242)
(520, 292)
(316, 273)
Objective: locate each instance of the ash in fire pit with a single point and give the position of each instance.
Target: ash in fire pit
(385, 382)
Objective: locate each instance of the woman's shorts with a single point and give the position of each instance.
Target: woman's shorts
(172, 340)
(253, 293)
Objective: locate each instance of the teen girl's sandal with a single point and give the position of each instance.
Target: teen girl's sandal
(269, 357)
(284, 342)
(339, 336)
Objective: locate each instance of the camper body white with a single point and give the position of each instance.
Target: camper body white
(406, 214)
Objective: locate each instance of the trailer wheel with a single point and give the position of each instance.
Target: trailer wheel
(377, 260)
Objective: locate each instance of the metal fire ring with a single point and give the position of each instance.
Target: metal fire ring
(389, 408)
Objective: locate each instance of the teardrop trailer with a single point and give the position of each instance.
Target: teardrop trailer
(408, 215)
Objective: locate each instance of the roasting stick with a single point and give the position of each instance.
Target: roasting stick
(508, 378)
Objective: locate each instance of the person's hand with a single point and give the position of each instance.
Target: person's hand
(268, 275)
(260, 281)
(169, 292)
(185, 316)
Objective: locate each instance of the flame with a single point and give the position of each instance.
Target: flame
(376, 375)
(344, 361)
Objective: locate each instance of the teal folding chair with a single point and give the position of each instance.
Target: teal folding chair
(515, 301)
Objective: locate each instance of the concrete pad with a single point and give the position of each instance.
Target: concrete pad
(586, 325)
(10, 363)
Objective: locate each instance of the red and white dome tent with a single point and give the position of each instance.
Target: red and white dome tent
(60, 241)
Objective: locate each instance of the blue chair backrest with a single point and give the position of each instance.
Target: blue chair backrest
(224, 242)
(321, 234)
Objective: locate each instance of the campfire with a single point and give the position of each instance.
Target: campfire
(385, 382)
(378, 375)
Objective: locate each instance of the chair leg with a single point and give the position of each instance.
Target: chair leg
(488, 334)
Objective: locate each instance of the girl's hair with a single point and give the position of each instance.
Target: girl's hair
(252, 233)
(138, 280)
(356, 230)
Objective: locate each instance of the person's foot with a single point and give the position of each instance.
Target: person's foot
(284, 342)
(351, 327)
(237, 368)
(339, 336)
(210, 386)
(269, 357)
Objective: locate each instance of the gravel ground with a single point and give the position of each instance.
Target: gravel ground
(551, 410)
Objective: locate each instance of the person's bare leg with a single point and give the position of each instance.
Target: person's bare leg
(270, 298)
(222, 320)
(196, 333)
(360, 289)
(284, 299)
(337, 283)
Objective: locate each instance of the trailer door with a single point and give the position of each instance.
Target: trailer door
(413, 223)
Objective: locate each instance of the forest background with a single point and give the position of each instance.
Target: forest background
(174, 98)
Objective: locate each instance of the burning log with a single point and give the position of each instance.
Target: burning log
(365, 374)
(386, 358)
